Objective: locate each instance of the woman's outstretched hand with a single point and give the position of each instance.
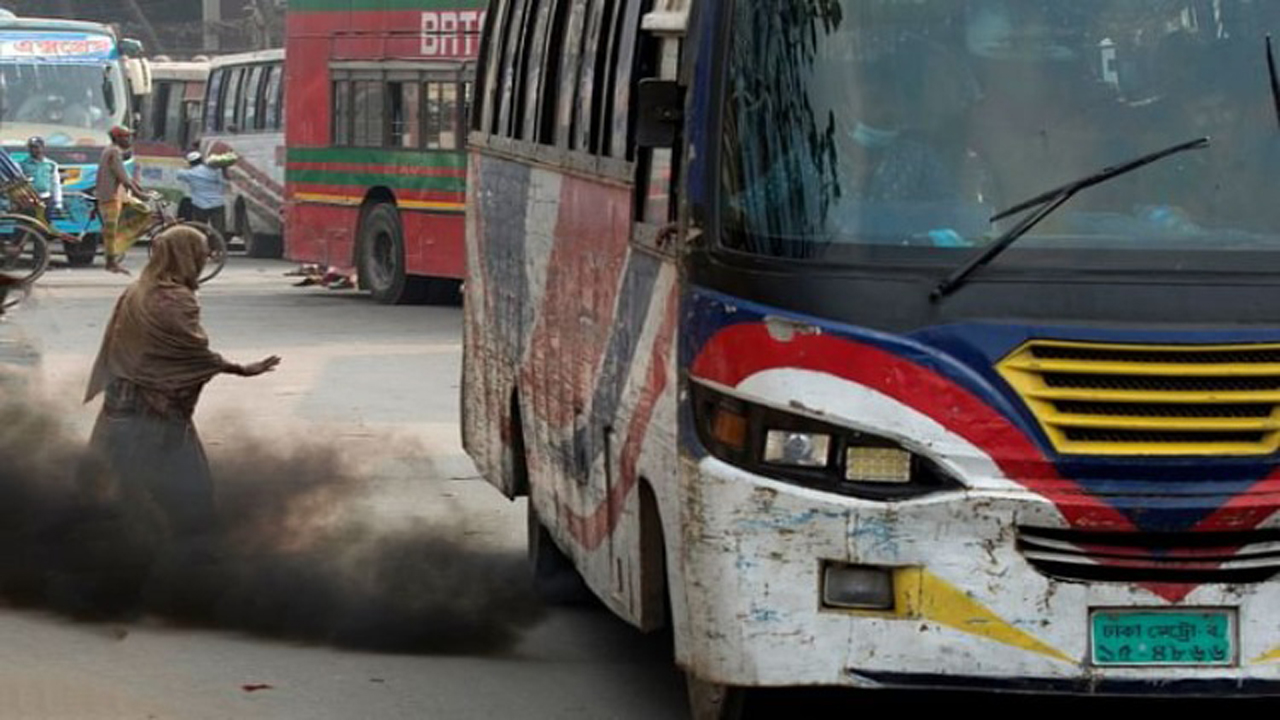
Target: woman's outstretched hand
(262, 366)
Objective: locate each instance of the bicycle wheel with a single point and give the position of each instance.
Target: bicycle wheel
(217, 249)
(24, 247)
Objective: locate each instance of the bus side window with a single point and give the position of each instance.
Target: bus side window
(271, 101)
(507, 98)
(624, 72)
(153, 112)
(441, 115)
(212, 106)
(230, 100)
(491, 70)
(542, 63)
(193, 99)
(341, 119)
(549, 83)
(249, 99)
(585, 136)
(523, 96)
(368, 107)
(656, 169)
(278, 116)
(406, 106)
(468, 102)
(570, 62)
(172, 109)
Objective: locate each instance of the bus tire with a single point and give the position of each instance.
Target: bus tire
(83, 253)
(267, 247)
(555, 578)
(380, 257)
(242, 229)
(714, 701)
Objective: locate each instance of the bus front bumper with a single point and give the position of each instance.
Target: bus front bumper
(969, 610)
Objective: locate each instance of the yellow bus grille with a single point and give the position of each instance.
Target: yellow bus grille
(1095, 399)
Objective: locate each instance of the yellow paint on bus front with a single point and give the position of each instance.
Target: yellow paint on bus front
(921, 594)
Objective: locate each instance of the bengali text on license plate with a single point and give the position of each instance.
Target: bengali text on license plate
(1129, 637)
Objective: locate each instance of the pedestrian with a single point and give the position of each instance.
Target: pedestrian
(44, 175)
(124, 215)
(208, 186)
(153, 363)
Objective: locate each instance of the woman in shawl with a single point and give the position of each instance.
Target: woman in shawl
(154, 361)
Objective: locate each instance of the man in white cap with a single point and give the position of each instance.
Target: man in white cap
(208, 189)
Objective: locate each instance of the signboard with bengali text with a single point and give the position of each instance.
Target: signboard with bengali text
(56, 47)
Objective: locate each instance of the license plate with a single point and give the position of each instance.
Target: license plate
(1159, 637)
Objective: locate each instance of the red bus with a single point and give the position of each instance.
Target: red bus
(376, 106)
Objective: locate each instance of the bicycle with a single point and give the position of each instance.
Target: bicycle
(24, 247)
(83, 208)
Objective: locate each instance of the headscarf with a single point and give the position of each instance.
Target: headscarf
(154, 338)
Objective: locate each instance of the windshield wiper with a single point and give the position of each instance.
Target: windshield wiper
(1048, 202)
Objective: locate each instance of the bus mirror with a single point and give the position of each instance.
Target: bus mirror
(660, 113)
(130, 47)
(109, 92)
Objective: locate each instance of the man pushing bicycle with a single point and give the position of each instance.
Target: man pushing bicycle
(124, 215)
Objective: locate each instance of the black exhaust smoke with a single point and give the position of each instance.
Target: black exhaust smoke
(283, 561)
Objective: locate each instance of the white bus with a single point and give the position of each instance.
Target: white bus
(244, 114)
(169, 126)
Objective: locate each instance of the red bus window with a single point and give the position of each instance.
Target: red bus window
(342, 112)
(367, 104)
(406, 121)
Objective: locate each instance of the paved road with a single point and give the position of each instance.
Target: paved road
(380, 385)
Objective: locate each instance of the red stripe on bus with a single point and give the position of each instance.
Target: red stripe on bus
(358, 192)
(740, 351)
(592, 529)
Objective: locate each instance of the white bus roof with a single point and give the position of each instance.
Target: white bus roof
(248, 58)
(179, 70)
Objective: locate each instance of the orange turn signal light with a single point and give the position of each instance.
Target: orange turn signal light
(729, 428)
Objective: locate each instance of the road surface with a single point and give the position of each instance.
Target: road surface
(381, 385)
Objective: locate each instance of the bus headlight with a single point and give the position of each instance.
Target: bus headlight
(797, 449)
(877, 464)
(810, 452)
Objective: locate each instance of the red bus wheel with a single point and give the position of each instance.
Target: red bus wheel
(380, 256)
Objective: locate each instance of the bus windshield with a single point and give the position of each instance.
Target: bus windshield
(61, 100)
(858, 123)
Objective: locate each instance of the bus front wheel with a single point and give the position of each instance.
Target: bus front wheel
(81, 253)
(260, 245)
(380, 257)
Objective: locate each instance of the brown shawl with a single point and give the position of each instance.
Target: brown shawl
(154, 338)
